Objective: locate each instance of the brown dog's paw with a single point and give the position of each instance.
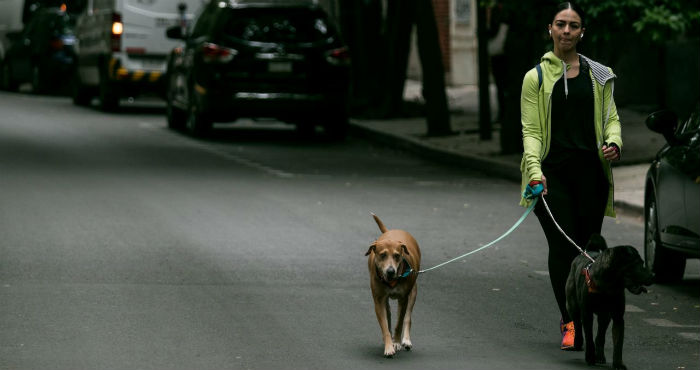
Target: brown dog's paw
(390, 350)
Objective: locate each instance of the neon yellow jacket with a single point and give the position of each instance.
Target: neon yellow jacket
(536, 113)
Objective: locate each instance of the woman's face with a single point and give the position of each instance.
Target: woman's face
(566, 30)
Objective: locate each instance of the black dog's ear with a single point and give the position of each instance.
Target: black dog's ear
(596, 243)
(405, 250)
(372, 248)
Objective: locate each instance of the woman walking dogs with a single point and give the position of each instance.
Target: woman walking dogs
(571, 132)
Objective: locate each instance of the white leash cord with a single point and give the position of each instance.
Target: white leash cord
(583, 252)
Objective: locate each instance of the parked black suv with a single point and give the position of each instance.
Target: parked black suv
(42, 53)
(259, 59)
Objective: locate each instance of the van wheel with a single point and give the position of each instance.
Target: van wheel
(109, 98)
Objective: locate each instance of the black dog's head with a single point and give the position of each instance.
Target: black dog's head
(596, 244)
(624, 268)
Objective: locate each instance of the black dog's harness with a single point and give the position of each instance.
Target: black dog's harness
(586, 271)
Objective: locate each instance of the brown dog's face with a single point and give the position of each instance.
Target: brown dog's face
(388, 255)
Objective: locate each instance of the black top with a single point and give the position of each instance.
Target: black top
(573, 127)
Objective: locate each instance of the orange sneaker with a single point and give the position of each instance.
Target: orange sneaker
(567, 335)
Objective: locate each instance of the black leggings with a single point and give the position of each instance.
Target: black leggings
(577, 196)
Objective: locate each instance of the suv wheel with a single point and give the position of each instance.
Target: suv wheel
(197, 123)
(7, 82)
(177, 118)
(667, 265)
(337, 128)
(109, 99)
(38, 80)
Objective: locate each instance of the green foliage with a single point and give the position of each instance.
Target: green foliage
(656, 21)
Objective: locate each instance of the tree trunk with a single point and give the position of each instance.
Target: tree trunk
(400, 17)
(361, 26)
(484, 101)
(437, 112)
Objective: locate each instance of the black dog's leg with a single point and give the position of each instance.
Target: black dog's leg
(618, 335)
(575, 315)
(603, 322)
(587, 322)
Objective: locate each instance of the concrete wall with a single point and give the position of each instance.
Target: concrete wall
(457, 30)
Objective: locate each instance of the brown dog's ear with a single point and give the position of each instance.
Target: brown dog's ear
(405, 250)
(372, 248)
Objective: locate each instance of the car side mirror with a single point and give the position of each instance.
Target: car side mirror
(664, 122)
(174, 32)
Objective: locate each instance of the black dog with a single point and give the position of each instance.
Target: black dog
(599, 287)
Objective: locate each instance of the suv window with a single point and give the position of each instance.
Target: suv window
(691, 125)
(275, 25)
(204, 20)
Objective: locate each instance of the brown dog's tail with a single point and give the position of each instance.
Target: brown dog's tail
(379, 222)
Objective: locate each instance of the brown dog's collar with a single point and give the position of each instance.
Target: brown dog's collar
(592, 287)
(404, 271)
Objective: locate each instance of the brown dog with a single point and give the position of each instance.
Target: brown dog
(394, 262)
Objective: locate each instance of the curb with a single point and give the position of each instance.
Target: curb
(501, 169)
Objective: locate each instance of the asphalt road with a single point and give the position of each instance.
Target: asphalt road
(128, 246)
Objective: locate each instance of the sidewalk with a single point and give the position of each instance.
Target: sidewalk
(466, 149)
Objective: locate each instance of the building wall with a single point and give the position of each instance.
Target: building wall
(456, 20)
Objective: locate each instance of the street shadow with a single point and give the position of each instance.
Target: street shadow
(687, 287)
(276, 132)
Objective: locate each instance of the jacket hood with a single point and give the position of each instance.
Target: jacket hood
(601, 73)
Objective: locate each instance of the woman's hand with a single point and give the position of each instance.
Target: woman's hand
(535, 188)
(544, 183)
(611, 152)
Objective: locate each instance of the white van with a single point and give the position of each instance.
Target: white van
(121, 47)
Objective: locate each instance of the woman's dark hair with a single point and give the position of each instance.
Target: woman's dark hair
(572, 6)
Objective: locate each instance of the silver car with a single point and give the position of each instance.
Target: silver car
(672, 197)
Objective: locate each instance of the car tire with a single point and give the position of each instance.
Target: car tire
(197, 123)
(109, 99)
(177, 118)
(6, 80)
(667, 265)
(80, 93)
(337, 128)
(38, 80)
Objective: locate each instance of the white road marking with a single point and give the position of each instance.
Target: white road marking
(543, 273)
(668, 324)
(633, 308)
(691, 336)
(237, 159)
